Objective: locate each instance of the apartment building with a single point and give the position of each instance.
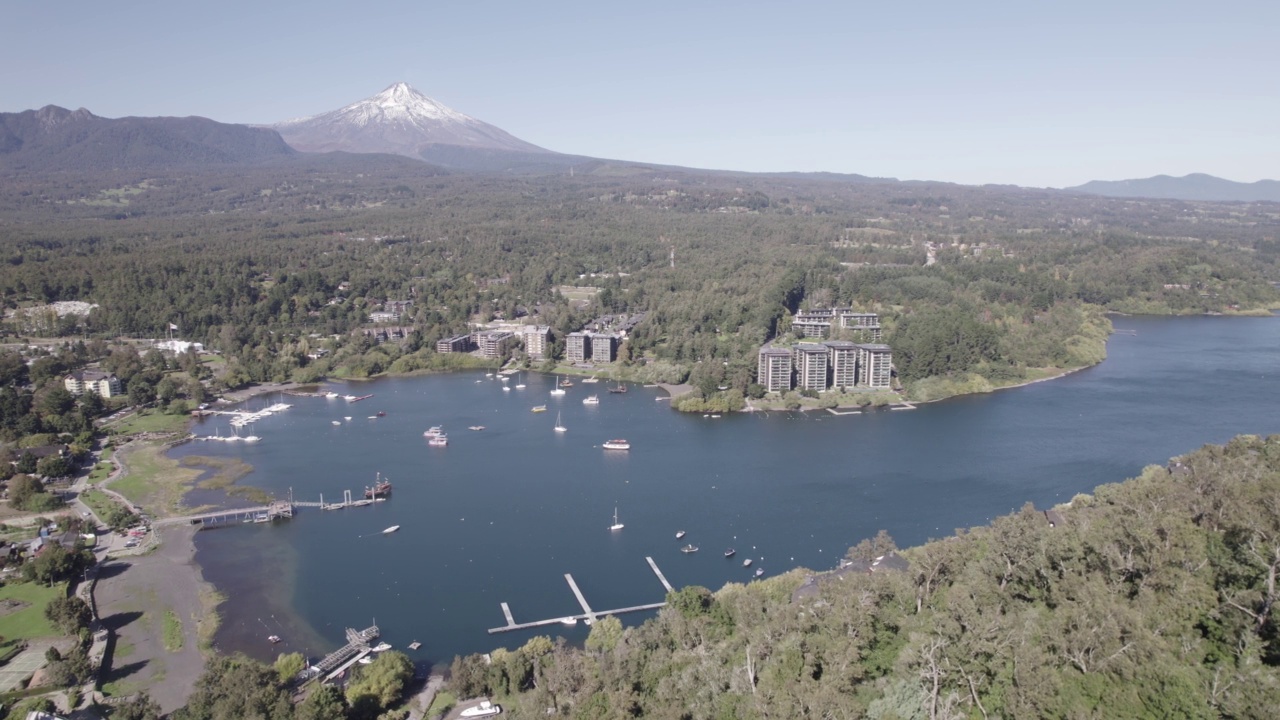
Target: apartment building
(456, 344)
(842, 359)
(537, 340)
(810, 360)
(493, 344)
(773, 369)
(604, 347)
(577, 347)
(864, 326)
(103, 383)
(814, 322)
(875, 365)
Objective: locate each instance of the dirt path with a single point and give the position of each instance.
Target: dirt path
(137, 597)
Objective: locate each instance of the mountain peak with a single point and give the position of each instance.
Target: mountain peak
(397, 120)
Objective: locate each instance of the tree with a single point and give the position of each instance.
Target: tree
(325, 702)
(384, 680)
(288, 665)
(139, 707)
(236, 687)
(140, 393)
(69, 614)
(55, 466)
(605, 635)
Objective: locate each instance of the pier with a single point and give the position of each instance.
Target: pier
(587, 615)
(344, 657)
(261, 513)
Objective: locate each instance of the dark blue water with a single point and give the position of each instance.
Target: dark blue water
(503, 514)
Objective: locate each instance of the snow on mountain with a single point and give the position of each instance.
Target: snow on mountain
(398, 120)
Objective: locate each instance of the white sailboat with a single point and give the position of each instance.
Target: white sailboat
(616, 525)
(520, 384)
(559, 426)
(557, 390)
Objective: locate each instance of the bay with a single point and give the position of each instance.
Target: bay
(500, 515)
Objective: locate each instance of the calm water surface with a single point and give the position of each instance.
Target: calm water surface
(502, 514)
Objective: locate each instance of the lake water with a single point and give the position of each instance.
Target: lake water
(502, 514)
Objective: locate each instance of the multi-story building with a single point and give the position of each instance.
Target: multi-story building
(493, 344)
(773, 369)
(382, 316)
(814, 322)
(864, 326)
(577, 347)
(95, 381)
(842, 359)
(604, 347)
(455, 344)
(811, 366)
(537, 340)
(875, 365)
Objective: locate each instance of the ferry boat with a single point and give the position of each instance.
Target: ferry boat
(617, 444)
(689, 549)
(591, 400)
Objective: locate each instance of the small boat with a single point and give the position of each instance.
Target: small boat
(415, 645)
(335, 422)
(730, 553)
(381, 413)
(746, 563)
(273, 638)
(391, 529)
(619, 388)
(591, 400)
(504, 378)
(488, 374)
(476, 427)
(251, 438)
(520, 385)
(484, 709)
(373, 417)
(557, 391)
(593, 379)
(366, 660)
(539, 408)
(679, 534)
(381, 647)
(566, 383)
(438, 440)
(506, 389)
(568, 621)
(689, 549)
(616, 525)
(433, 431)
(330, 395)
(559, 427)
(617, 444)
(347, 418)
(759, 572)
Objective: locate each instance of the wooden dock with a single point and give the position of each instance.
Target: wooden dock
(587, 615)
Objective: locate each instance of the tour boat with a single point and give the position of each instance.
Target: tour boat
(617, 444)
(679, 534)
(746, 563)
(616, 525)
(591, 400)
(689, 549)
(335, 422)
(438, 440)
(730, 552)
(273, 638)
(391, 529)
(433, 431)
(559, 427)
(538, 408)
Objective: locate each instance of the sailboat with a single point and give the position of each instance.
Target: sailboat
(520, 385)
(559, 427)
(616, 525)
(557, 390)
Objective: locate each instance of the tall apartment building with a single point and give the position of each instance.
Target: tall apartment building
(773, 369)
(493, 344)
(604, 347)
(455, 344)
(577, 348)
(537, 340)
(811, 366)
(875, 365)
(814, 322)
(95, 381)
(865, 326)
(842, 359)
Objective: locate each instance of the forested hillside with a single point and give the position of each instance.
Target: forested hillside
(253, 262)
(1152, 598)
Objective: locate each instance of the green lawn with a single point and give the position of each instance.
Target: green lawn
(100, 471)
(172, 632)
(99, 502)
(151, 421)
(29, 622)
(152, 480)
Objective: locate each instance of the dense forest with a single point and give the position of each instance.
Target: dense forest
(269, 264)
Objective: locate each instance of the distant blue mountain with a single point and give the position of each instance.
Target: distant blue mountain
(1196, 186)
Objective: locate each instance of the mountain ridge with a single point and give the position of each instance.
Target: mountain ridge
(1195, 186)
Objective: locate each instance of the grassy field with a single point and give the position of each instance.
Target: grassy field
(172, 632)
(99, 502)
(29, 622)
(101, 471)
(153, 481)
(443, 702)
(151, 421)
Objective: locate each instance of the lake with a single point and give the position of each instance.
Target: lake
(501, 515)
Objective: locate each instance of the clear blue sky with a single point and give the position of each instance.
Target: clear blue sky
(1032, 93)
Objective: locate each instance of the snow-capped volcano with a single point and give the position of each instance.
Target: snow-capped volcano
(398, 120)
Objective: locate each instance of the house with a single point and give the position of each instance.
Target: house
(103, 383)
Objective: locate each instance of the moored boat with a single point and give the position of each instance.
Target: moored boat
(616, 444)
(759, 572)
(689, 549)
(679, 534)
(619, 388)
(438, 440)
(380, 487)
(591, 400)
(568, 621)
(433, 431)
(273, 638)
(730, 553)
(538, 408)
(746, 563)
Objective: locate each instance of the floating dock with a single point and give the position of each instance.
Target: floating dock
(588, 614)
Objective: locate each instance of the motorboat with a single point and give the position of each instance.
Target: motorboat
(730, 553)
(616, 444)
(381, 647)
(391, 529)
(591, 400)
(366, 660)
(330, 395)
(746, 563)
(381, 413)
(566, 383)
(616, 525)
(438, 440)
(476, 427)
(538, 408)
(484, 709)
(433, 431)
(506, 389)
(347, 418)
(592, 380)
(335, 422)
(689, 549)
(568, 621)
(273, 638)
(679, 534)
(759, 572)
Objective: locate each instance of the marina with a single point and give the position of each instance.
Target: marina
(587, 615)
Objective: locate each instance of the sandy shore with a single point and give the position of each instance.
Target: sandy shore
(137, 597)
